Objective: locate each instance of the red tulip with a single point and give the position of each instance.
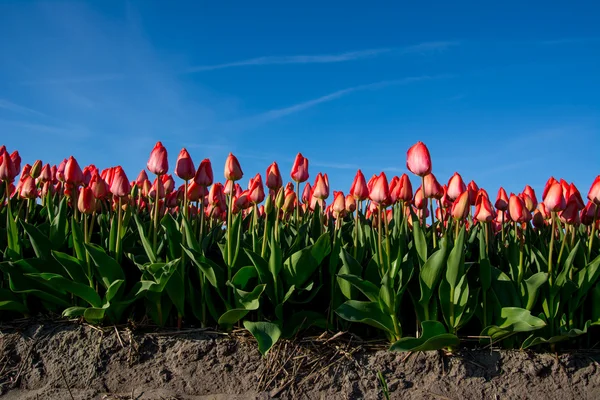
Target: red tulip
(46, 174)
(233, 170)
(158, 163)
(515, 208)
(472, 188)
(531, 193)
(594, 193)
(196, 192)
(204, 174)
(16, 159)
(483, 210)
(502, 200)
(256, 190)
(456, 186)
(359, 188)
(418, 160)
(554, 199)
(538, 219)
(60, 170)
(184, 167)
(339, 204)
(290, 201)
(98, 186)
(73, 173)
(142, 177)
(157, 187)
(8, 172)
(380, 191)
(273, 177)
(321, 187)
(86, 203)
(575, 196)
(169, 183)
(419, 200)
(350, 203)
(299, 172)
(306, 193)
(432, 188)
(216, 196)
(120, 186)
(404, 190)
(445, 201)
(242, 202)
(570, 215)
(54, 170)
(460, 207)
(589, 213)
(28, 190)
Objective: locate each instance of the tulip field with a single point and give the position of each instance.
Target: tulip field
(437, 267)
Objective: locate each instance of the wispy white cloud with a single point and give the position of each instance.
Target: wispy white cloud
(75, 79)
(13, 107)
(282, 112)
(427, 47)
(70, 132)
(297, 59)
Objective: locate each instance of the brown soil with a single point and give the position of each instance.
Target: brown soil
(65, 360)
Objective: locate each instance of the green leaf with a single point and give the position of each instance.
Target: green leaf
(72, 266)
(107, 267)
(420, 242)
(78, 240)
(431, 273)
(366, 287)
(349, 267)
(58, 227)
(301, 265)
(40, 243)
(366, 312)
(12, 233)
(265, 333)
(15, 306)
(174, 236)
(532, 287)
(145, 242)
(210, 269)
(433, 337)
(64, 285)
(456, 260)
(513, 319)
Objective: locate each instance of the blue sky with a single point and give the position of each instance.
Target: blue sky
(505, 94)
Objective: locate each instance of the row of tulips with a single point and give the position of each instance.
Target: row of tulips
(424, 267)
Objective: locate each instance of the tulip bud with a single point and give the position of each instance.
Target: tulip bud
(158, 163)
(290, 201)
(273, 177)
(120, 186)
(268, 206)
(233, 170)
(455, 186)
(321, 188)
(242, 201)
(594, 193)
(86, 203)
(432, 188)
(8, 171)
(515, 208)
(28, 190)
(549, 183)
(502, 200)
(280, 198)
(554, 199)
(339, 204)
(404, 190)
(350, 203)
(204, 174)
(419, 200)
(169, 183)
(359, 188)
(299, 172)
(588, 214)
(472, 189)
(256, 189)
(36, 169)
(16, 159)
(184, 167)
(73, 173)
(460, 207)
(306, 193)
(46, 174)
(531, 193)
(99, 187)
(60, 170)
(157, 188)
(418, 160)
(538, 219)
(484, 211)
(380, 191)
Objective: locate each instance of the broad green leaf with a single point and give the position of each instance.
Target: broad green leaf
(174, 236)
(532, 287)
(40, 243)
(265, 333)
(433, 337)
(58, 227)
(72, 266)
(107, 268)
(64, 285)
(431, 273)
(366, 287)
(12, 233)
(349, 267)
(366, 312)
(302, 264)
(420, 242)
(145, 242)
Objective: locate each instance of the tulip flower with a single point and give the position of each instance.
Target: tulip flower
(46, 174)
(359, 189)
(100, 188)
(168, 183)
(73, 173)
(460, 207)
(575, 196)
(28, 190)
(204, 174)
(299, 172)
(8, 172)
(531, 193)
(350, 203)
(290, 201)
(419, 200)
(196, 192)
(256, 190)
(404, 191)
(184, 167)
(588, 214)
(549, 183)
(502, 200)
(554, 199)
(472, 188)
(233, 170)
(120, 186)
(16, 159)
(216, 196)
(306, 193)
(445, 201)
(158, 163)
(570, 215)
(380, 191)
(594, 193)
(273, 177)
(538, 219)
(432, 188)
(36, 169)
(484, 211)
(418, 160)
(86, 203)
(60, 170)
(455, 186)
(321, 188)
(339, 204)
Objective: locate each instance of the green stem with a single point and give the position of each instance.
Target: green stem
(433, 230)
(356, 232)
(423, 221)
(119, 224)
(387, 239)
(254, 227)
(155, 231)
(593, 234)
(521, 271)
(379, 246)
(562, 247)
(502, 227)
(551, 275)
(263, 252)
(230, 242)
(297, 205)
